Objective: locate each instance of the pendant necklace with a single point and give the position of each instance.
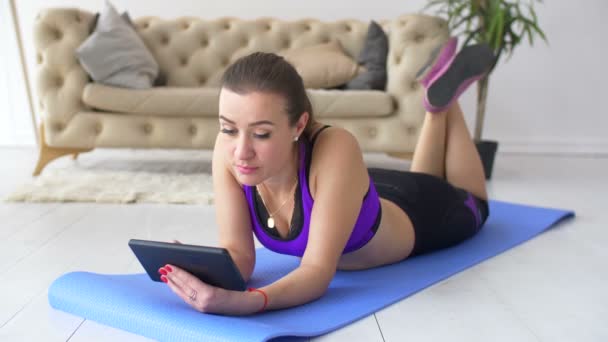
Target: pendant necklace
(270, 222)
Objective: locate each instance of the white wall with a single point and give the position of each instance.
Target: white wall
(15, 114)
(544, 99)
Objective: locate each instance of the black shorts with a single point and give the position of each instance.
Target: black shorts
(442, 215)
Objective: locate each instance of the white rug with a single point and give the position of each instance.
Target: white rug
(137, 176)
(74, 184)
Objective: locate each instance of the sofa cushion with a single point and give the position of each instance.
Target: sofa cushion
(166, 101)
(350, 104)
(323, 65)
(115, 54)
(373, 58)
(178, 101)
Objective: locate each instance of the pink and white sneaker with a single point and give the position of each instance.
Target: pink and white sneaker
(455, 76)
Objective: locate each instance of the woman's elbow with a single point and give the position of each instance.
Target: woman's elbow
(244, 263)
(322, 278)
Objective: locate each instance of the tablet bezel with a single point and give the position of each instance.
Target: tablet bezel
(212, 265)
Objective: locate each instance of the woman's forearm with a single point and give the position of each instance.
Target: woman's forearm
(302, 285)
(245, 263)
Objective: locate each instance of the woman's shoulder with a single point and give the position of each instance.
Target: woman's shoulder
(336, 153)
(334, 140)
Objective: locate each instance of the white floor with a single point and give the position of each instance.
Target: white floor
(552, 288)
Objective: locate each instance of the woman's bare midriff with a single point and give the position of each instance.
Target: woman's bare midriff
(393, 241)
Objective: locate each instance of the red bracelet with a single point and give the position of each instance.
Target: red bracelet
(251, 289)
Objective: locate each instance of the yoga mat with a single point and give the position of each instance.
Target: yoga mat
(135, 303)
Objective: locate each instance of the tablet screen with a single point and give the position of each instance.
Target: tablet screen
(212, 265)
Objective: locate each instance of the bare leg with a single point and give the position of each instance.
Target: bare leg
(445, 150)
(429, 155)
(462, 162)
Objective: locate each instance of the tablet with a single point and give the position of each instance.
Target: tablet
(212, 265)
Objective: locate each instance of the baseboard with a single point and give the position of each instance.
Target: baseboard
(576, 146)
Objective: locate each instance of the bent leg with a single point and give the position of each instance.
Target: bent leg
(445, 150)
(429, 154)
(462, 162)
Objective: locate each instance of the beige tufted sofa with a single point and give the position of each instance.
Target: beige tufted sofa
(78, 115)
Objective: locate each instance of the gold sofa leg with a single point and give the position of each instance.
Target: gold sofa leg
(48, 153)
(401, 155)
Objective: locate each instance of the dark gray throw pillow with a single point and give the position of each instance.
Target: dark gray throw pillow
(115, 55)
(373, 58)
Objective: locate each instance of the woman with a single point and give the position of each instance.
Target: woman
(303, 188)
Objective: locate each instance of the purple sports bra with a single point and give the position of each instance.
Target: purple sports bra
(295, 243)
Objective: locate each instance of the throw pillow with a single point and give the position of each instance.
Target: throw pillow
(322, 66)
(124, 15)
(373, 58)
(115, 54)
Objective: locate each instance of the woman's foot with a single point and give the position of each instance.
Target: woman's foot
(440, 57)
(456, 75)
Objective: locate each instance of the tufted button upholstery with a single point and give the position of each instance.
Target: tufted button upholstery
(57, 34)
(372, 132)
(410, 129)
(192, 53)
(58, 127)
(147, 128)
(418, 37)
(414, 85)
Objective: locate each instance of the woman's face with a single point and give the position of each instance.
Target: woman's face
(256, 135)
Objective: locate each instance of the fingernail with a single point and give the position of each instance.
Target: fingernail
(163, 279)
(168, 268)
(162, 271)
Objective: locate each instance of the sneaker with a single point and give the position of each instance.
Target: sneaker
(468, 66)
(440, 57)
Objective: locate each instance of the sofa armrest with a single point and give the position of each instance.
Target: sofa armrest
(60, 79)
(412, 38)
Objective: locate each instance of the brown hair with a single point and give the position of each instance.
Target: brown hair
(268, 72)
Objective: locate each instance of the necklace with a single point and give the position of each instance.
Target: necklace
(270, 222)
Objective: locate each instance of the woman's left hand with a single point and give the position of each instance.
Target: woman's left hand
(207, 298)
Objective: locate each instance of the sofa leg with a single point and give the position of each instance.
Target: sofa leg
(47, 153)
(401, 155)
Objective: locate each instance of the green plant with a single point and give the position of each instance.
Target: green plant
(501, 24)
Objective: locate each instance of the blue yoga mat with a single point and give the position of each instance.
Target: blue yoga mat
(135, 303)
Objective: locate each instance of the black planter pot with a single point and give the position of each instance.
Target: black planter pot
(487, 151)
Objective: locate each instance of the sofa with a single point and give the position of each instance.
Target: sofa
(79, 115)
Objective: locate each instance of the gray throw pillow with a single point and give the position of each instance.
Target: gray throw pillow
(124, 15)
(115, 55)
(373, 58)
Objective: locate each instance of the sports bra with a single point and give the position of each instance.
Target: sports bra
(295, 243)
